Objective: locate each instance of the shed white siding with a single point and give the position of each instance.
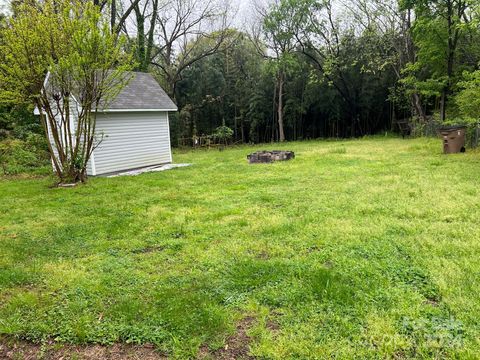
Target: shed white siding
(131, 140)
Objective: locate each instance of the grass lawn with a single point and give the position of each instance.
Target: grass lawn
(356, 249)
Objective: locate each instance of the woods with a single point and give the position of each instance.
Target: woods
(299, 69)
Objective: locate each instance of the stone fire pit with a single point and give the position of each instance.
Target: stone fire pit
(270, 156)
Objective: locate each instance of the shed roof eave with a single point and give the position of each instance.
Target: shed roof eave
(136, 110)
(37, 112)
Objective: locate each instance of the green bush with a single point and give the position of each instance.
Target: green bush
(18, 122)
(468, 103)
(468, 98)
(23, 156)
(223, 133)
(421, 128)
(472, 132)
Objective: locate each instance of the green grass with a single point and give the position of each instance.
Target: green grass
(356, 249)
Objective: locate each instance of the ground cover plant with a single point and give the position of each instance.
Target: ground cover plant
(355, 249)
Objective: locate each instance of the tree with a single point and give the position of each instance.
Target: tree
(224, 134)
(282, 25)
(438, 30)
(468, 98)
(394, 24)
(119, 18)
(145, 13)
(186, 27)
(73, 43)
(224, 86)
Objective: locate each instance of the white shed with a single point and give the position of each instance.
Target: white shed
(134, 127)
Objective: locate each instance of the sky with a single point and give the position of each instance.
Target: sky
(244, 7)
(3, 4)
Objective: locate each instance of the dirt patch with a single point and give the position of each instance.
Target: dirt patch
(313, 248)
(236, 346)
(432, 302)
(273, 326)
(148, 249)
(328, 264)
(15, 350)
(400, 355)
(263, 255)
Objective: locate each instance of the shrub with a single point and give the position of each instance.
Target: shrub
(468, 99)
(18, 121)
(20, 156)
(223, 133)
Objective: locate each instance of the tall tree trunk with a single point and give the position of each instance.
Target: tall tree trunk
(453, 35)
(410, 54)
(443, 104)
(446, 88)
(242, 131)
(113, 14)
(418, 108)
(140, 38)
(275, 88)
(148, 53)
(281, 80)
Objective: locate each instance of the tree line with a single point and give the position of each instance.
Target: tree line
(300, 69)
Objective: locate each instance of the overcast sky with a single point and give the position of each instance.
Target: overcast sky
(244, 7)
(3, 3)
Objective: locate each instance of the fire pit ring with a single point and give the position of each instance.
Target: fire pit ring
(266, 156)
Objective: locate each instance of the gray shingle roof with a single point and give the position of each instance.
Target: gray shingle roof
(142, 93)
